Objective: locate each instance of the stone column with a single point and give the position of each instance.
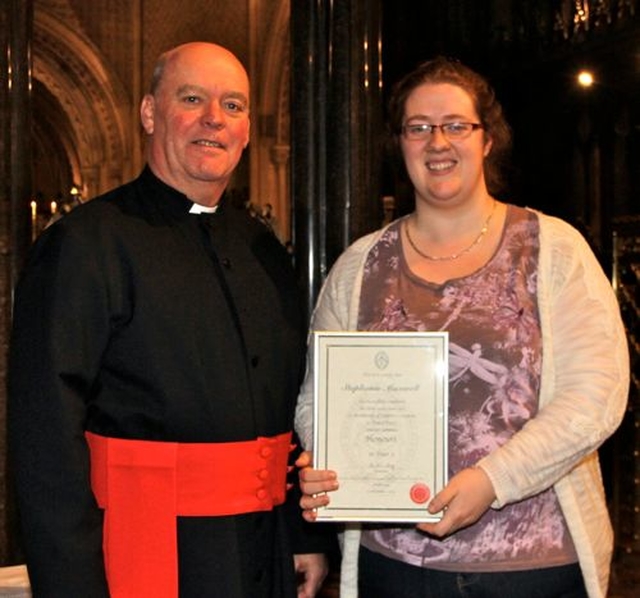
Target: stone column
(280, 158)
(336, 115)
(16, 18)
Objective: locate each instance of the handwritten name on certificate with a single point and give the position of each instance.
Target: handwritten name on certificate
(380, 422)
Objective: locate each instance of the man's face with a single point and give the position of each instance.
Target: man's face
(198, 121)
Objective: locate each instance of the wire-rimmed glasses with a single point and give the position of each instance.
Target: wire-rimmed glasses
(454, 131)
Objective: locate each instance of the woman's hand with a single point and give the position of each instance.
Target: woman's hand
(314, 484)
(464, 500)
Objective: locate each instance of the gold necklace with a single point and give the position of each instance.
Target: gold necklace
(455, 256)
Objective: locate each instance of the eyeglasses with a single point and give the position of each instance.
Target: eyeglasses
(451, 131)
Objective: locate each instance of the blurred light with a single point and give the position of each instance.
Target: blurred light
(585, 79)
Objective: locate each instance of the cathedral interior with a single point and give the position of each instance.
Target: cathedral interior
(73, 74)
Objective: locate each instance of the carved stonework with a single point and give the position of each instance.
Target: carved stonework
(97, 131)
(270, 141)
(575, 17)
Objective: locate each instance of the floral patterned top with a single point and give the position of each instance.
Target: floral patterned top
(495, 356)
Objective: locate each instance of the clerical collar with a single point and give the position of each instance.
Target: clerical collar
(197, 208)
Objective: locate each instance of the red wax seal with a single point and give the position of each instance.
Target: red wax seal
(420, 493)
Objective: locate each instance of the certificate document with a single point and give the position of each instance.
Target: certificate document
(380, 422)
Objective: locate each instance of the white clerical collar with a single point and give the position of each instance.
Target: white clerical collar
(197, 208)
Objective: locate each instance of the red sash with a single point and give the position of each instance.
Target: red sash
(144, 485)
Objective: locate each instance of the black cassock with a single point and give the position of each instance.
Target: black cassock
(136, 319)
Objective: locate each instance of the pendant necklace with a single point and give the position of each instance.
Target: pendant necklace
(455, 256)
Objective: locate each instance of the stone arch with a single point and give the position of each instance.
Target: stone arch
(92, 112)
(270, 165)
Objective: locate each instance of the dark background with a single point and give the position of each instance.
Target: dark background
(575, 150)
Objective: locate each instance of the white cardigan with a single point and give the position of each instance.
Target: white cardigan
(583, 394)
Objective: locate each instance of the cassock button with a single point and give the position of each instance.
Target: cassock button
(265, 452)
(261, 494)
(263, 474)
(226, 262)
(255, 360)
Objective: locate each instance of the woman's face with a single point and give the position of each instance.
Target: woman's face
(444, 171)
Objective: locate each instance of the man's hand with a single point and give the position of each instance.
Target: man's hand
(314, 484)
(311, 570)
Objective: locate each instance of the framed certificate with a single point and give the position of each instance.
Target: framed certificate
(380, 422)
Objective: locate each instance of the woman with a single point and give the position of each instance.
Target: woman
(521, 294)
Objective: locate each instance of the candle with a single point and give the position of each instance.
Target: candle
(54, 207)
(34, 220)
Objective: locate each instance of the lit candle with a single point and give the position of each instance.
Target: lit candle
(34, 220)
(54, 207)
